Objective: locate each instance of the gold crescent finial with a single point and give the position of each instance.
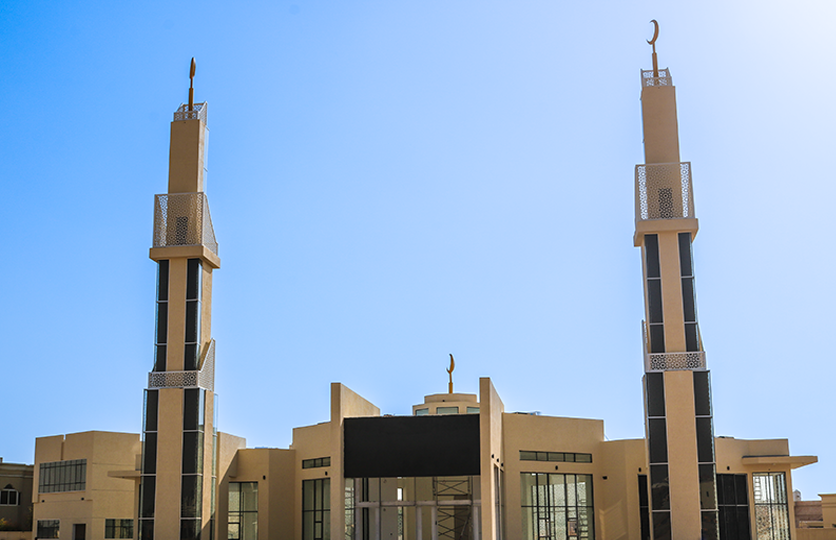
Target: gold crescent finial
(450, 372)
(655, 32)
(652, 43)
(191, 85)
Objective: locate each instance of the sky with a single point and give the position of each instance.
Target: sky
(391, 182)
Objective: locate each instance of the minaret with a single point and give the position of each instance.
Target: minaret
(678, 416)
(177, 492)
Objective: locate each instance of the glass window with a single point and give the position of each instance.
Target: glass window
(48, 528)
(421, 412)
(570, 457)
(9, 496)
(315, 463)
(316, 509)
(447, 410)
(733, 505)
(243, 511)
(119, 528)
(557, 506)
(60, 476)
(771, 510)
(473, 410)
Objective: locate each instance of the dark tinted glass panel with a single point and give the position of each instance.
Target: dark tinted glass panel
(645, 524)
(189, 529)
(743, 522)
(691, 341)
(705, 442)
(661, 526)
(159, 358)
(688, 300)
(657, 431)
(725, 489)
(657, 338)
(643, 501)
(651, 250)
(162, 280)
(741, 489)
(190, 497)
(193, 280)
(192, 321)
(709, 525)
(149, 453)
(728, 523)
(685, 266)
(146, 530)
(702, 394)
(655, 394)
(151, 398)
(190, 359)
(707, 491)
(654, 300)
(191, 408)
(146, 497)
(162, 322)
(659, 491)
(192, 452)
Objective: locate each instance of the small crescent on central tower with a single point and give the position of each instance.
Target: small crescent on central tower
(655, 32)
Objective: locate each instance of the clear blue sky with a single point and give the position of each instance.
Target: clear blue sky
(393, 181)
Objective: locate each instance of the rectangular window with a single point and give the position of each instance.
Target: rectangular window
(771, 509)
(193, 286)
(422, 412)
(9, 496)
(119, 528)
(733, 504)
(571, 457)
(557, 506)
(447, 410)
(48, 528)
(653, 291)
(316, 509)
(315, 463)
(243, 511)
(60, 476)
(162, 317)
(644, 507)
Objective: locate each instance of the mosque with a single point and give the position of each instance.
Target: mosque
(459, 467)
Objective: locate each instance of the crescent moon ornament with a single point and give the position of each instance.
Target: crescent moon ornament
(655, 33)
(450, 372)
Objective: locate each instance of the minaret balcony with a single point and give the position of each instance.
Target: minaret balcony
(199, 378)
(675, 361)
(664, 191)
(182, 219)
(661, 78)
(198, 112)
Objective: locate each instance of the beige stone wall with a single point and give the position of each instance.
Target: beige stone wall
(105, 496)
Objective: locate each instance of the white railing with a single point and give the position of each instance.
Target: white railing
(198, 113)
(664, 191)
(664, 78)
(675, 361)
(182, 219)
(200, 378)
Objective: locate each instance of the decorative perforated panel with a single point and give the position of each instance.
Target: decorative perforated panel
(202, 378)
(664, 78)
(664, 191)
(182, 219)
(674, 361)
(199, 112)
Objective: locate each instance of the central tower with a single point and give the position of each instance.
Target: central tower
(177, 489)
(678, 415)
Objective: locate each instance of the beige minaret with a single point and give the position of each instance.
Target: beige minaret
(177, 493)
(678, 417)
